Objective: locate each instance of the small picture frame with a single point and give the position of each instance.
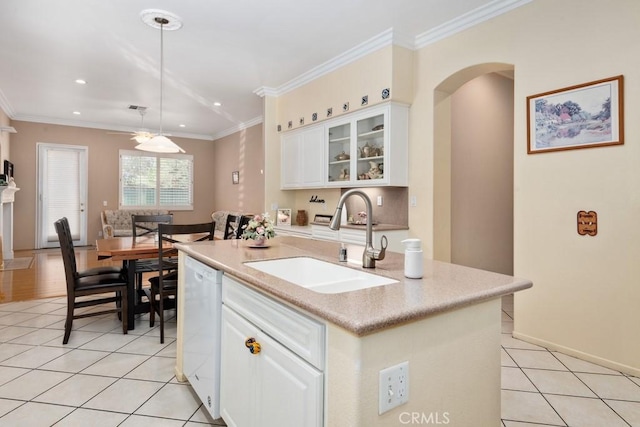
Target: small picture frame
(8, 170)
(235, 177)
(580, 116)
(283, 217)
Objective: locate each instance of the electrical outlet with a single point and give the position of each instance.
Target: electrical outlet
(413, 202)
(394, 387)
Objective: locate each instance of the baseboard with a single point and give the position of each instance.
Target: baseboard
(629, 370)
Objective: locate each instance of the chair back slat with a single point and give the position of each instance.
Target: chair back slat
(141, 225)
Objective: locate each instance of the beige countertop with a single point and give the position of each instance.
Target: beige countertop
(444, 286)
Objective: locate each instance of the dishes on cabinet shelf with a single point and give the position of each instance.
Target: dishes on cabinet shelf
(342, 156)
(379, 127)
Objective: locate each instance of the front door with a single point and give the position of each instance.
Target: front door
(62, 192)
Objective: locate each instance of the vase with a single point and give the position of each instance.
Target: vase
(260, 241)
(302, 218)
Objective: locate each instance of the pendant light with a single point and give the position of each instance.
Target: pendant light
(162, 20)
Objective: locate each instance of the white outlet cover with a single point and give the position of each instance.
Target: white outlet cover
(393, 387)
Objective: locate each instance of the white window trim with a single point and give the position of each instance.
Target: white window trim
(137, 153)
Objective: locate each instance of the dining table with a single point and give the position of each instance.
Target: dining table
(129, 250)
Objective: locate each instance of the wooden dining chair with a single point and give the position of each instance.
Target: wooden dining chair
(165, 285)
(141, 226)
(231, 227)
(244, 220)
(93, 283)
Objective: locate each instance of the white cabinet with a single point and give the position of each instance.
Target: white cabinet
(303, 158)
(366, 148)
(376, 141)
(272, 362)
(201, 332)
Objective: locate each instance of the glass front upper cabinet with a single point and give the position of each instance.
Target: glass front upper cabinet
(370, 148)
(339, 153)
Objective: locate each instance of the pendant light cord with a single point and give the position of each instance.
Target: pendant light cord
(161, 68)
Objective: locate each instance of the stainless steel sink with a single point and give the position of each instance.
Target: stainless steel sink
(319, 276)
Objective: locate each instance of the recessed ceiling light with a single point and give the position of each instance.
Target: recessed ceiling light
(77, 113)
(81, 81)
(217, 104)
(182, 126)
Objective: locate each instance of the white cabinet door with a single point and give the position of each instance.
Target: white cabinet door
(238, 378)
(303, 159)
(312, 157)
(290, 173)
(271, 388)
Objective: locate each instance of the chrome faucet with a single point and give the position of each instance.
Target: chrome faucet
(370, 254)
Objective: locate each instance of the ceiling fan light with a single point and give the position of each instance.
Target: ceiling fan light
(160, 144)
(142, 138)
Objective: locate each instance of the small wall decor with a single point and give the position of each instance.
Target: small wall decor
(290, 124)
(581, 116)
(364, 101)
(314, 117)
(283, 217)
(329, 112)
(385, 93)
(279, 128)
(345, 107)
(8, 170)
(315, 199)
(235, 177)
(301, 121)
(587, 223)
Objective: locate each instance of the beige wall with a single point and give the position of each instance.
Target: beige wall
(103, 174)
(482, 174)
(585, 295)
(244, 152)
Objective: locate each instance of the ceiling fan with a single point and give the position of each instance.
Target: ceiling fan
(141, 135)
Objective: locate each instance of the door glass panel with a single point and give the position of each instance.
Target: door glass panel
(339, 153)
(370, 148)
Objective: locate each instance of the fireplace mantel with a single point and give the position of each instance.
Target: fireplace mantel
(7, 193)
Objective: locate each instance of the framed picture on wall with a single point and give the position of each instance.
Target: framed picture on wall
(581, 116)
(8, 170)
(283, 217)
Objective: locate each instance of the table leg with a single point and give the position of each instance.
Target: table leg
(131, 293)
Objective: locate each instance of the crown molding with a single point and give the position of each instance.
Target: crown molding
(92, 125)
(385, 38)
(238, 127)
(6, 106)
(468, 20)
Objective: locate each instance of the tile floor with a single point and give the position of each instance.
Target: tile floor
(105, 378)
(547, 388)
(100, 378)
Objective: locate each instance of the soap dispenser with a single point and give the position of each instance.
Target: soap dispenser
(413, 262)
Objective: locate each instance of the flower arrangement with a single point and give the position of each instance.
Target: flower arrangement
(259, 227)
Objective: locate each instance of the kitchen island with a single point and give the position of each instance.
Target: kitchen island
(446, 326)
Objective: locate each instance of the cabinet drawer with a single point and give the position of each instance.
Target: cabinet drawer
(299, 333)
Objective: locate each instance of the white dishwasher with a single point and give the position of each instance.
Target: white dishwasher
(201, 346)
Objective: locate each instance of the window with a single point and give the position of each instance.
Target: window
(156, 181)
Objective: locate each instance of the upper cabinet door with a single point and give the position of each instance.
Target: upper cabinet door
(364, 148)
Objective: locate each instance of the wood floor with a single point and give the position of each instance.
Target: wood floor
(45, 278)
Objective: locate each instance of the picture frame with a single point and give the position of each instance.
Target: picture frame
(581, 116)
(235, 177)
(8, 170)
(283, 217)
